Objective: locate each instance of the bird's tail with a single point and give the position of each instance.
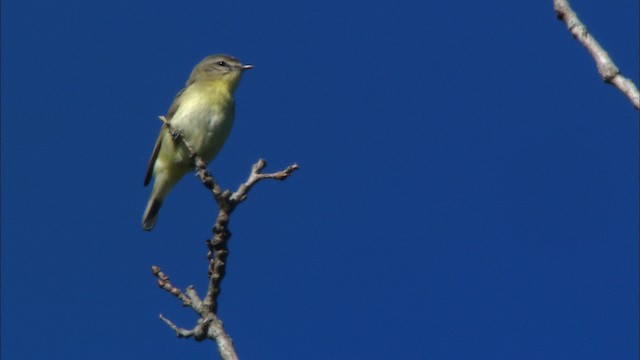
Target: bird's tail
(151, 213)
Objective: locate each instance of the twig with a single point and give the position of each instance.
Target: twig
(180, 332)
(607, 69)
(209, 325)
(165, 284)
(241, 194)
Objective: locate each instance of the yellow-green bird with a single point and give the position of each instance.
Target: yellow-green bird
(203, 113)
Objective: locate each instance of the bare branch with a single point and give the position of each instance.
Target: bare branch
(209, 325)
(607, 69)
(218, 250)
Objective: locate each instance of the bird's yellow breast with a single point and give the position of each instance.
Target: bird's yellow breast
(204, 117)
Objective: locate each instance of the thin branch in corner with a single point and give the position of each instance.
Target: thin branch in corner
(209, 326)
(607, 69)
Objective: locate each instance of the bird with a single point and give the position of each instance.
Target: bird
(202, 112)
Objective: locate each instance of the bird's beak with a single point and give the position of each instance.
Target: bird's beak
(247, 67)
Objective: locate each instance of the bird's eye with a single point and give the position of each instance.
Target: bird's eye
(222, 63)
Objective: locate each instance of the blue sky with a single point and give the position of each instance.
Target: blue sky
(468, 186)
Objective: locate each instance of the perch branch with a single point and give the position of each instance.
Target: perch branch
(209, 325)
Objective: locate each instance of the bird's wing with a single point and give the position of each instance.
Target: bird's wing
(154, 156)
(156, 149)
